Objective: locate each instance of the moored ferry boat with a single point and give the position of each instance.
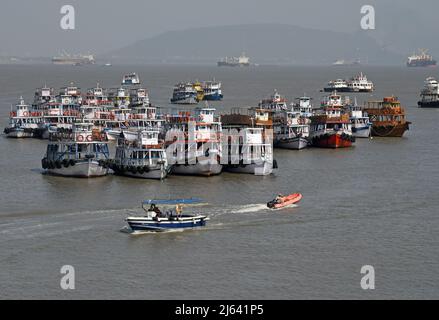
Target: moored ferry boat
(430, 94)
(387, 117)
(360, 83)
(249, 149)
(361, 125)
(139, 97)
(44, 95)
(82, 152)
(144, 157)
(200, 145)
(130, 79)
(23, 122)
(163, 215)
(292, 131)
(332, 127)
(276, 102)
(212, 91)
(184, 93)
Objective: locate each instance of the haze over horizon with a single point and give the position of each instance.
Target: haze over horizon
(106, 26)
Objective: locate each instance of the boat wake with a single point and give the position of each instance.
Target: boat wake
(251, 208)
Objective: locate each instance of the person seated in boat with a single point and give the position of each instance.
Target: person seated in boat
(278, 198)
(155, 209)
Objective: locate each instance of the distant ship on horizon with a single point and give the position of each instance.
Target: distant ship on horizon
(421, 60)
(241, 61)
(73, 60)
(343, 62)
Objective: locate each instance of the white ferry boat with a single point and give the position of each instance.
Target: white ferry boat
(130, 79)
(83, 152)
(360, 83)
(201, 146)
(23, 122)
(212, 91)
(361, 125)
(139, 97)
(184, 93)
(292, 131)
(304, 107)
(70, 95)
(250, 150)
(340, 85)
(276, 102)
(430, 94)
(44, 95)
(120, 98)
(144, 157)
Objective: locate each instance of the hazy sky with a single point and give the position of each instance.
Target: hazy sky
(31, 27)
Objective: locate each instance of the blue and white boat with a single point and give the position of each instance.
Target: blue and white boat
(184, 93)
(361, 124)
(212, 91)
(165, 215)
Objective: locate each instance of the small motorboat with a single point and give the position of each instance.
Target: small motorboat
(282, 201)
(168, 216)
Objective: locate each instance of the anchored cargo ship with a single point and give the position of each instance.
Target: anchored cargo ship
(73, 60)
(241, 61)
(422, 59)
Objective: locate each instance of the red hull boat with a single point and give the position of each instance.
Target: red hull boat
(333, 141)
(282, 201)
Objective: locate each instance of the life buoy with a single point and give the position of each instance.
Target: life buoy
(80, 138)
(25, 113)
(89, 138)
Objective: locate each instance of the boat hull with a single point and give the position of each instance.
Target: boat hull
(346, 89)
(213, 97)
(190, 100)
(429, 104)
(198, 169)
(361, 132)
(285, 201)
(292, 144)
(390, 131)
(81, 169)
(262, 169)
(332, 141)
(158, 173)
(162, 224)
(18, 134)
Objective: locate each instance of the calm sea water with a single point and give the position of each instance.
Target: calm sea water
(376, 203)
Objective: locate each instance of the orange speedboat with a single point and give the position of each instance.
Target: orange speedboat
(282, 201)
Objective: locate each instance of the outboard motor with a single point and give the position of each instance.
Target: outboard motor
(271, 204)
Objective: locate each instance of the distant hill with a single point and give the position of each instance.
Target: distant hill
(264, 43)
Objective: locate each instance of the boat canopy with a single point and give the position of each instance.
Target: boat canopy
(172, 201)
